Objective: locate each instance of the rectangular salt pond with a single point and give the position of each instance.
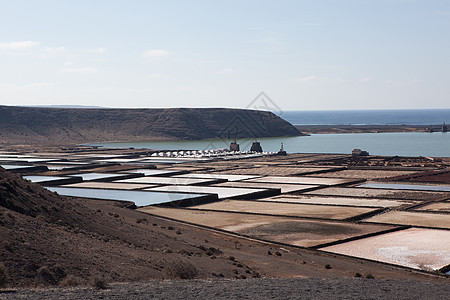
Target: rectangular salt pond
(99, 176)
(51, 179)
(222, 193)
(415, 248)
(439, 207)
(306, 199)
(154, 172)
(286, 209)
(414, 218)
(285, 188)
(299, 232)
(109, 185)
(302, 180)
(398, 186)
(15, 167)
(140, 198)
(229, 177)
(379, 193)
(169, 180)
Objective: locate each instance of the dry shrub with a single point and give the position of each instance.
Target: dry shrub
(99, 283)
(181, 269)
(47, 275)
(70, 281)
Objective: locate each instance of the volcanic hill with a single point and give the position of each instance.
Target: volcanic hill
(38, 125)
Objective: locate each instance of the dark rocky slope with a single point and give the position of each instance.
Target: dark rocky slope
(65, 125)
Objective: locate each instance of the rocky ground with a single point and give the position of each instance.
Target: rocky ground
(292, 288)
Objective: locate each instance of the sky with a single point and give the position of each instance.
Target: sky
(303, 55)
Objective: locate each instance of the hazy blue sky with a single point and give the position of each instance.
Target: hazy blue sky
(306, 55)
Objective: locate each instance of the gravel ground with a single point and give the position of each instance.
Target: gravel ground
(249, 289)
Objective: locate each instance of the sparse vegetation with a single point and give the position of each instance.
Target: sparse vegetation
(99, 283)
(181, 269)
(70, 281)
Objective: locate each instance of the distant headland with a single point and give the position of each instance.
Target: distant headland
(43, 125)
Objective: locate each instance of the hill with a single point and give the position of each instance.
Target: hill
(43, 125)
(47, 239)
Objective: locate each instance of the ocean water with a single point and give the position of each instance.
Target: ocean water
(402, 144)
(368, 117)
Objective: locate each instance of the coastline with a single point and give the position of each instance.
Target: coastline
(330, 129)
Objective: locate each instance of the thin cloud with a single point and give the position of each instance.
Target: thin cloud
(366, 79)
(40, 85)
(96, 51)
(155, 54)
(225, 71)
(83, 70)
(153, 76)
(18, 45)
(311, 78)
(54, 50)
(403, 83)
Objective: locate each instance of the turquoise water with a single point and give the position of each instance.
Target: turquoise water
(403, 144)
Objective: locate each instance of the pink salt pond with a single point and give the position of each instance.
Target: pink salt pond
(418, 248)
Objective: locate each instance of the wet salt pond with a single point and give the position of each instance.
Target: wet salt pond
(426, 249)
(100, 176)
(109, 185)
(154, 172)
(140, 198)
(284, 188)
(398, 186)
(222, 192)
(51, 180)
(229, 177)
(170, 180)
(302, 180)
